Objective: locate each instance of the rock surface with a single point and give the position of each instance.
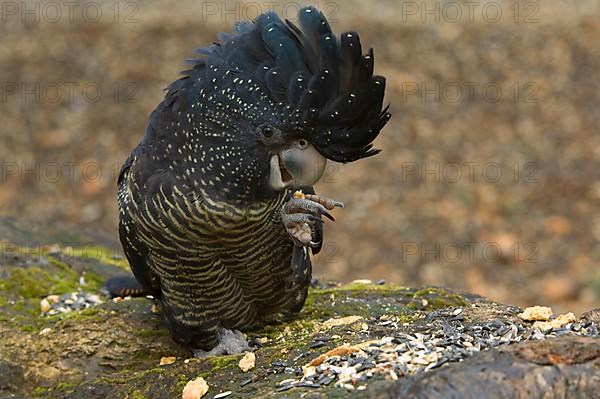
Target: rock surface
(557, 368)
(362, 339)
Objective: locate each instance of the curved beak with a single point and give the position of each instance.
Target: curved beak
(296, 166)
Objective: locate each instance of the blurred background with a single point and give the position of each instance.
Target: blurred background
(489, 179)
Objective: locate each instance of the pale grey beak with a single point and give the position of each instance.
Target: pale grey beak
(298, 165)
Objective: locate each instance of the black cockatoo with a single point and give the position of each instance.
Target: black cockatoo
(211, 216)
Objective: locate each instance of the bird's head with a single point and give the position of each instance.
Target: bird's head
(289, 98)
(293, 160)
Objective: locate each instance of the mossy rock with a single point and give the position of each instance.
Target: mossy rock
(113, 350)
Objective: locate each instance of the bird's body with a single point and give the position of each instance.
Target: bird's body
(245, 280)
(207, 217)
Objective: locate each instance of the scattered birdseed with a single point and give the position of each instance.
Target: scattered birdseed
(330, 323)
(445, 338)
(166, 360)
(536, 313)
(56, 304)
(195, 389)
(247, 362)
(222, 395)
(557, 323)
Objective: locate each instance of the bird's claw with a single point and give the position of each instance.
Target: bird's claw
(300, 215)
(324, 201)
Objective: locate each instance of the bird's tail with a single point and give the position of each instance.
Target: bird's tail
(123, 286)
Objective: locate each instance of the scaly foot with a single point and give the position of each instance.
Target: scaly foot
(231, 342)
(301, 214)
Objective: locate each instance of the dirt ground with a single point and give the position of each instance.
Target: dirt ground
(489, 179)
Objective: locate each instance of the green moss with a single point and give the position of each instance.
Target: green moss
(135, 394)
(182, 381)
(66, 387)
(24, 287)
(34, 282)
(438, 298)
(363, 289)
(97, 253)
(126, 379)
(223, 362)
(28, 328)
(429, 291)
(40, 391)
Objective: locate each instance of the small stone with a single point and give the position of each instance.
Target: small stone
(167, 360)
(285, 387)
(289, 381)
(262, 340)
(536, 313)
(561, 321)
(330, 323)
(327, 380)
(45, 306)
(247, 362)
(362, 281)
(45, 331)
(309, 371)
(339, 351)
(195, 389)
(591, 316)
(246, 382)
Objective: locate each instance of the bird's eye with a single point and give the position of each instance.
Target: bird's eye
(267, 131)
(302, 143)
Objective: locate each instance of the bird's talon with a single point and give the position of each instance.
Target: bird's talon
(316, 219)
(328, 215)
(339, 204)
(328, 203)
(300, 215)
